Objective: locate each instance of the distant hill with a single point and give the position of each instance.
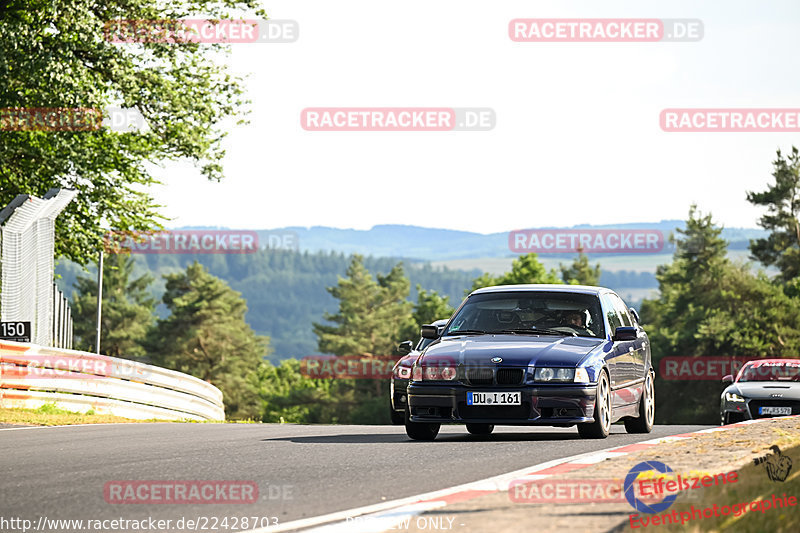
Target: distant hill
(285, 288)
(431, 244)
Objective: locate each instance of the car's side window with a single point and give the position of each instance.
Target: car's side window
(622, 311)
(611, 313)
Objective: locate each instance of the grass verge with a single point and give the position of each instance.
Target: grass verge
(50, 415)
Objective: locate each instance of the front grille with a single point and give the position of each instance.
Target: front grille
(491, 376)
(510, 376)
(480, 376)
(498, 412)
(755, 404)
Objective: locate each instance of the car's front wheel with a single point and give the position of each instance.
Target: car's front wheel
(600, 428)
(480, 429)
(421, 430)
(647, 409)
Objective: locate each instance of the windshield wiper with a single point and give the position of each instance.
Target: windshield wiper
(465, 332)
(542, 331)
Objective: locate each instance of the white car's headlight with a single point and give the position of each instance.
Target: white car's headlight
(733, 397)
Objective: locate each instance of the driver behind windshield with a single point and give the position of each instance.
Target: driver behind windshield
(574, 318)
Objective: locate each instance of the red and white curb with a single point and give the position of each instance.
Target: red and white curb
(387, 515)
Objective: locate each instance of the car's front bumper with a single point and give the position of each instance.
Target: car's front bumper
(547, 405)
(749, 409)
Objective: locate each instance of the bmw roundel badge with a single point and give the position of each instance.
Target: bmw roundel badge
(496, 359)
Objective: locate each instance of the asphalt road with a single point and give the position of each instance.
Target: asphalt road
(301, 471)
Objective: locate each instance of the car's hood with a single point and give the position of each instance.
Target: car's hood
(760, 390)
(515, 350)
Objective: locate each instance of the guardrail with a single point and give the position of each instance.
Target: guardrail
(32, 375)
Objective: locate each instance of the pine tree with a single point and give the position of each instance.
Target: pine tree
(782, 200)
(127, 309)
(580, 272)
(709, 306)
(206, 335)
(372, 314)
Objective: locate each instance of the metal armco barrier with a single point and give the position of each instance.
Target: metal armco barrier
(32, 375)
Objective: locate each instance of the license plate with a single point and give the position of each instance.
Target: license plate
(494, 398)
(774, 410)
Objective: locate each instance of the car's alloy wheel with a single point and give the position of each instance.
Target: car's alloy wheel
(480, 429)
(647, 409)
(600, 428)
(421, 430)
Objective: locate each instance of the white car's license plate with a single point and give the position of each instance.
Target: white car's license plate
(774, 410)
(494, 398)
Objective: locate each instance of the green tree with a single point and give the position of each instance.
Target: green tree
(524, 269)
(206, 335)
(580, 272)
(430, 307)
(372, 314)
(127, 312)
(782, 201)
(55, 54)
(709, 306)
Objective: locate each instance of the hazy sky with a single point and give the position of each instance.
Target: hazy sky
(577, 138)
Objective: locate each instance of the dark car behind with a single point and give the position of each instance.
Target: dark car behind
(401, 374)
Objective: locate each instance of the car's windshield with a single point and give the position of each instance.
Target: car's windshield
(771, 371)
(522, 311)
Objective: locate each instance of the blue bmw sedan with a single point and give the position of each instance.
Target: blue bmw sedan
(554, 355)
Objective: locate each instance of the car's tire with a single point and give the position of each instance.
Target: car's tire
(398, 417)
(480, 429)
(600, 428)
(647, 409)
(421, 430)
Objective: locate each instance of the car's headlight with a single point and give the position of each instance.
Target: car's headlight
(554, 375)
(733, 397)
(433, 373)
(402, 372)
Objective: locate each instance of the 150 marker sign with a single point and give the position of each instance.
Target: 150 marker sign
(15, 331)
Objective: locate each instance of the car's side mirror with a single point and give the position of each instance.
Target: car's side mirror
(635, 314)
(727, 379)
(405, 347)
(429, 332)
(624, 333)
